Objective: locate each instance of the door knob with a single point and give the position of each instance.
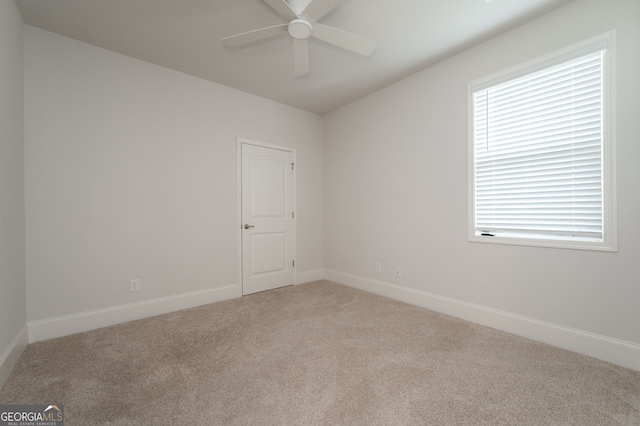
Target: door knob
(248, 226)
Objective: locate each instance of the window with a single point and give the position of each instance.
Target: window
(542, 153)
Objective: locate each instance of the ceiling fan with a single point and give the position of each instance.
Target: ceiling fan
(303, 16)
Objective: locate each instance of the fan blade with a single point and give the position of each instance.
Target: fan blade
(317, 9)
(283, 8)
(255, 35)
(344, 39)
(300, 57)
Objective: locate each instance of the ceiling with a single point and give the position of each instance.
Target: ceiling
(185, 35)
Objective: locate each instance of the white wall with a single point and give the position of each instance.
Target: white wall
(396, 193)
(12, 262)
(131, 173)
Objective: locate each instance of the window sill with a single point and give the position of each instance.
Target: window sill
(549, 243)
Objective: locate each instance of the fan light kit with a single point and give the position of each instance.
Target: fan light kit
(303, 25)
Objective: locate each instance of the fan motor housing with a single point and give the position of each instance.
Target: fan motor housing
(300, 29)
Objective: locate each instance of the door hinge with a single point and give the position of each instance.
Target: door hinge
(292, 165)
(293, 215)
(294, 263)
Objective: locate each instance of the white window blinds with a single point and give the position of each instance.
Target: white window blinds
(538, 153)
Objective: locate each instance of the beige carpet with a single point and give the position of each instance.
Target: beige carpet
(318, 354)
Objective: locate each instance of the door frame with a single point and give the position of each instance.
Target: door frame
(239, 143)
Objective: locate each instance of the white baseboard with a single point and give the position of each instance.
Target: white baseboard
(11, 355)
(90, 320)
(619, 352)
(309, 276)
(51, 328)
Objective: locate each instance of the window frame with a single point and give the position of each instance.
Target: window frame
(609, 241)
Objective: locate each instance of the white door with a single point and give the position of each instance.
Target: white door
(268, 218)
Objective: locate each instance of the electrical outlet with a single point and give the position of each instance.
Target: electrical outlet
(378, 267)
(135, 285)
(398, 272)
